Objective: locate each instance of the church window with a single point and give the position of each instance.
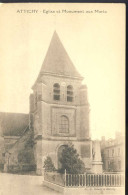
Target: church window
(56, 91)
(69, 93)
(64, 124)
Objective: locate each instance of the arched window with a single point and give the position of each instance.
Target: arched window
(56, 91)
(64, 124)
(69, 93)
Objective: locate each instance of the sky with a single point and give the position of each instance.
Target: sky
(94, 41)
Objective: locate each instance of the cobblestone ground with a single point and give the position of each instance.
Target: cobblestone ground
(11, 184)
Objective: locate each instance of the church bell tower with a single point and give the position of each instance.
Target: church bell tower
(60, 108)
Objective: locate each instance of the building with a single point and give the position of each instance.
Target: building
(12, 127)
(60, 108)
(59, 116)
(113, 153)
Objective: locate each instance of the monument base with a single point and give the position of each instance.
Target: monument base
(97, 167)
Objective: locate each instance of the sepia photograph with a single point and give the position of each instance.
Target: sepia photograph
(62, 98)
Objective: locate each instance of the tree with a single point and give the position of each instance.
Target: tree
(71, 162)
(112, 166)
(26, 153)
(48, 164)
(26, 156)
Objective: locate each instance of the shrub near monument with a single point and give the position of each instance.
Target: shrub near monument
(71, 162)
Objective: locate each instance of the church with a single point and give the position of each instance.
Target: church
(59, 111)
(60, 108)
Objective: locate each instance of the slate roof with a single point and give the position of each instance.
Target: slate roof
(57, 60)
(13, 124)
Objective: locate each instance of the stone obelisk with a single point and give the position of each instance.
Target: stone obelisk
(96, 158)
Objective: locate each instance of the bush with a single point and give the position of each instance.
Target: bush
(112, 167)
(26, 156)
(48, 165)
(71, 162)
(1, 167)
(13, 168)
(28, 168)
(21, 168)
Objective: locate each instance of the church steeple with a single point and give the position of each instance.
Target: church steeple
(57, 61)
(60, 109)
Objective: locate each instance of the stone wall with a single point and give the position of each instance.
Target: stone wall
(20, 152)
(47, 115)
(50, 148)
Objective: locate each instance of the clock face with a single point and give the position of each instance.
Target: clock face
(63, 84)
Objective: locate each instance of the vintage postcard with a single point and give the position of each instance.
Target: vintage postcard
(62, 98)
